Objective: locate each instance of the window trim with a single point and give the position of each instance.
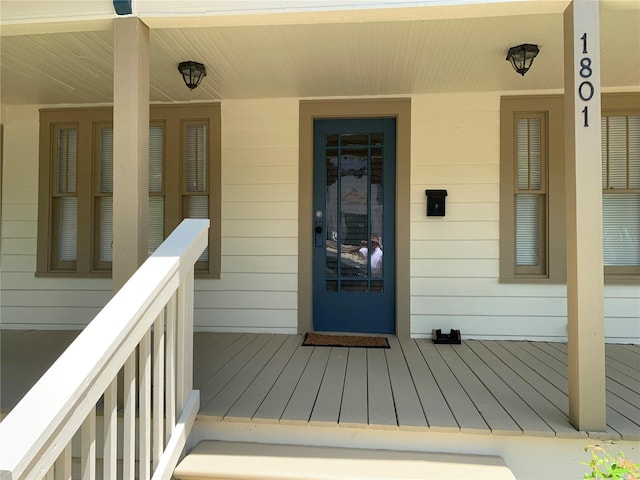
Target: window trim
(556, 235)
(551, 108)
(87, 120)
(613, 105)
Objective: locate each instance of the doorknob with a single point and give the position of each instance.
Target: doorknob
(318, 229)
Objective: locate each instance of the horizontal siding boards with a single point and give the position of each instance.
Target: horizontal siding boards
(250, 156)
(253, 264)
(17, 194)
(462, 154)
(270, 175)
(460, 193)
(19, 211)
(452, 231)
(499, 306)
(267, 193)
(453, 260)
(237, 319)
(247, 300)
(426, 249)
(55, 298)
(493, 327)
(260, 228)
(482, 287)
(623, 307)
(249, 282)
(462, 268)
(18, 263)
(463, 212)
(259, 246)
(19, 246)
(457, 174)
(260, 211)
(27, 282)
(47, 317)
(19, 229)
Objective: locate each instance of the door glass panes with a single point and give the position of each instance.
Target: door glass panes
(354, 211)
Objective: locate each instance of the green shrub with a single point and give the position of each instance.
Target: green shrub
(603, 466)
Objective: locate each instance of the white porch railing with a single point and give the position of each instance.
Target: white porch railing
(154, 306)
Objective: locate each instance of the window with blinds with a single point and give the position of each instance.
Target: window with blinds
(195, 188)
(621, 191)
(75, 221)
(65, 197)
(530, 194)
(103, 198)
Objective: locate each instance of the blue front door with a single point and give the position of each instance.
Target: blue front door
(354, 225)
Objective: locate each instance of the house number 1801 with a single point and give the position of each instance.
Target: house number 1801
(586, 89)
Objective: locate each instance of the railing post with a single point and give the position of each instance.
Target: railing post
(185, 340)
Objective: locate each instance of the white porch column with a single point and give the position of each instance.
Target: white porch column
(130, 147)
(585, 283)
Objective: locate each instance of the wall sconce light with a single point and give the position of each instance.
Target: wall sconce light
(521, 57)
(192, 73)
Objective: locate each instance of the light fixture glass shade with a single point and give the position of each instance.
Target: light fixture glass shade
(192, 73)
(521, 57)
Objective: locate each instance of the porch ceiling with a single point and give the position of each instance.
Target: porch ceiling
(348, 53)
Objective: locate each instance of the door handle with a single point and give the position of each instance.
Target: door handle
(318, 229)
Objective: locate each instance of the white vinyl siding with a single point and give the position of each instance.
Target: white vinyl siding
(257, 290)
(621, 191)
(455, 279)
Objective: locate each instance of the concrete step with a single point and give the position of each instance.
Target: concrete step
(258, 461)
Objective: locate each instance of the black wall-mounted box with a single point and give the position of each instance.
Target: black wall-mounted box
(435, 202)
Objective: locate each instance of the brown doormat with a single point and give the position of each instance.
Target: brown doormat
(321, 340)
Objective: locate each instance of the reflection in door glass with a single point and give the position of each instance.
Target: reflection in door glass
(354, 212)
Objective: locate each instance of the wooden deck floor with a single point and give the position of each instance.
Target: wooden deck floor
(484, 387)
